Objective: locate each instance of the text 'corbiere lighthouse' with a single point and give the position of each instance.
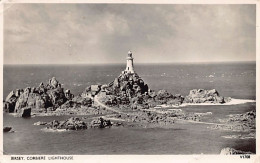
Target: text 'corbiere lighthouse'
(129, 63)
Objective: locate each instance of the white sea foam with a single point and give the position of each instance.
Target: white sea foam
(53, 130)
(231, 102)
(175, 109)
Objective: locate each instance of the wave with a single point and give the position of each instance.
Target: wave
(53, 130)
(231, 102)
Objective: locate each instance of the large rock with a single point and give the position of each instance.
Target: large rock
(129, 84)
(22, 101)
(35, 101)
(57, 96)
(10, 101)
(31, 100)
(9, 106)
(10, 95)
(165, 97)
(54, 82)
(24, 112)
(37, 98)
(7, 129)
(205, 96)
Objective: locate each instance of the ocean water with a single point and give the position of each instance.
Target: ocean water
(236, 80)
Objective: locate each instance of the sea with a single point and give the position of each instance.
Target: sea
(236, 80)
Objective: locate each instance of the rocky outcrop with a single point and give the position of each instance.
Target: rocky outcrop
(100, 123)
(7, 129)
(167, 98)
(232, 151)
(127, 84)
(42, 98)
(130, 90)
(24, 112)
(91, 90)
(205, 96)
(77, 101)
(54, 82)
(10, 101)
(72, 123)
(238, 122)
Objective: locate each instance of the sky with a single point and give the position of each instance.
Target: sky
(104, 33)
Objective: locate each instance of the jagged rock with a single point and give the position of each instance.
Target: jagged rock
(82, 101)
(35, 101)
(10, 95)
(24, 112)
(9, 103)
(39, 98)
(163, 96)
(204, 96)
(41, 89)
(7, 129)
(100, 123)
(54, 82)
(18, 92)
(68, 95)
(57, 96)
(22, 101)
(116, 83)
(9, 106)
(72, 123)
(32, 100)
(232, 151)
(129, 83)
(176, 100)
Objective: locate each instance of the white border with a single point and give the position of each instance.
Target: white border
(143, 158)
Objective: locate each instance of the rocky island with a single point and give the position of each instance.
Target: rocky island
(126, 101)
(127, 95)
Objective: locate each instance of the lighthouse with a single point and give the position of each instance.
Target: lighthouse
(129, 63)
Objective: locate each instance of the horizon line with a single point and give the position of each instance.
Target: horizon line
(187, 62)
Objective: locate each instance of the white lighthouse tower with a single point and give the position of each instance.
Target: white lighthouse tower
(129, 63)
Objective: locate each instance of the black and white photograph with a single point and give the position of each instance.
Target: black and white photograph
(129, 79)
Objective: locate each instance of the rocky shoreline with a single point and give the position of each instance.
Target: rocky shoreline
(127, 98)
(127, 92)
(127, 101)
